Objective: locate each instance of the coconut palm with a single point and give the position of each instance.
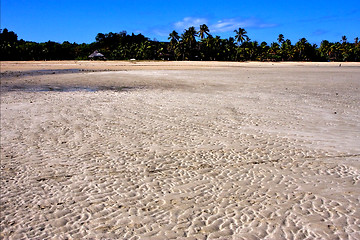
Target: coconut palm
(286, 50)
(274, 52)
(281, 38)
(229, 46)
(335, 52)
(305, 51)
(188, 42)
(264, 51)
(174, 44)
(300, 48)
(203, 30)
(240, 35)
(174, 37)
(324, 50)
(344, 39)
(252, 50)
(189, 35)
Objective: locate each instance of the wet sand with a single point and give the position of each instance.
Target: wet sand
(187, 150)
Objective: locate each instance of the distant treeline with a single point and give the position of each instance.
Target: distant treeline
(190, 45)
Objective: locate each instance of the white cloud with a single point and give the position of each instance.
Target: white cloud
(190, 22)
(216, 26)
(223, 25)
(160, 32)
(227, 25)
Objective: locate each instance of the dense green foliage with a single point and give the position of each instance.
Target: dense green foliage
(190, 45)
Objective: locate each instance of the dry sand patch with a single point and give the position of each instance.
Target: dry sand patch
(209, 150)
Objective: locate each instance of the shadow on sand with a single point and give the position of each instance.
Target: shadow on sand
(47, 88)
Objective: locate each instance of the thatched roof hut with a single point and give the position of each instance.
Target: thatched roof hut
(97, 55)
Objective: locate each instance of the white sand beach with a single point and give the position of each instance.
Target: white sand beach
(180, 150)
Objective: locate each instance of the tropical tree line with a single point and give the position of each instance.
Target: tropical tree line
(189, 45)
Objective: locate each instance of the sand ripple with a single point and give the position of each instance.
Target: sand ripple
(167, 163)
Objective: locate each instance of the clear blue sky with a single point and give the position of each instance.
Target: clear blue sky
(80, 21)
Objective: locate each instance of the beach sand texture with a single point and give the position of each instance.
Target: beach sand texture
(180, 150)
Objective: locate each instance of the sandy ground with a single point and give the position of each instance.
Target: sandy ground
(166, 150)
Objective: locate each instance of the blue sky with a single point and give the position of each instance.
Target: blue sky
(80, 21)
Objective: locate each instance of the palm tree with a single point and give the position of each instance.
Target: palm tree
(174, 40)
(263, 51)
(344, 39)
(189, 35)
(357, 50)
(229, 46)
(274, 51)
(300, 46)
(174, 37)
(203, 30)
(240, 35)
(335, 52)
(324, 50)
(188, 41)
(252, 50)
(286, 50)
(281, 38)
(305, 51)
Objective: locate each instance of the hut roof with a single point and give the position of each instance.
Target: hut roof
(96, 54)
